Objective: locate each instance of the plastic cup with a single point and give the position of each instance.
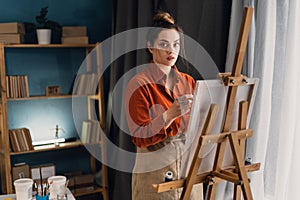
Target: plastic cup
(57, 186)
(23, 188)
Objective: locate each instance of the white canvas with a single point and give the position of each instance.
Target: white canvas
(209, 92)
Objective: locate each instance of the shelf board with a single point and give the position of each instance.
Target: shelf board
(49, 45)
(41, 97)
(96, 190)
(63, 96)
(50, 147)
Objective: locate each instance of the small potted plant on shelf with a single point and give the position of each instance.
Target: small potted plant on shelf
(44, 27)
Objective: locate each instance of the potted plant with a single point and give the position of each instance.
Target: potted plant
(44, 27)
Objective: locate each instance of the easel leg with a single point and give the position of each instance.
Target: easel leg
(237, 192)
(242, 123)
(212, 190)
(188, 186)
(234, 144)
(237, 188)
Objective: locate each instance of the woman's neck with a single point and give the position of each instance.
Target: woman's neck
(170, 76)
(164, 68)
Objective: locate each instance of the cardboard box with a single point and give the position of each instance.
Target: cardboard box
(21, 171)
(11, 38)
(74, 31)
(12, 27)
(47, 171)
(75, 40)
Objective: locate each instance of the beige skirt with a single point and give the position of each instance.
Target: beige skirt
(151, 167)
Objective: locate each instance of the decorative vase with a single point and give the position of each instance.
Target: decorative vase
(43, 36)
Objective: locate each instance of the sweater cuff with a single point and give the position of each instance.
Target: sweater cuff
(158, 125)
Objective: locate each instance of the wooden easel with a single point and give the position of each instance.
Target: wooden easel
(236, 174)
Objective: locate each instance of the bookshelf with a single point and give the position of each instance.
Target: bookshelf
(6, 114)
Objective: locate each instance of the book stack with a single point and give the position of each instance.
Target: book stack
(74, 35)
(80, 183)
(20, 140)
(86, 84)
(17, 86)
(84, 183)
(12, 33)
(90, 133)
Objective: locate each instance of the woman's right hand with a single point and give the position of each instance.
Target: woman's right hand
(181, 106)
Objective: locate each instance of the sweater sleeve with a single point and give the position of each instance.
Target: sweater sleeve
(146, 130)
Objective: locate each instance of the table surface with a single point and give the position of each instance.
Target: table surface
(13, 196)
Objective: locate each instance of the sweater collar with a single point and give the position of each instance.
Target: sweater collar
(159, 74)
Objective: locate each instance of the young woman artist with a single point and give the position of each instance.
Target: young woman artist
(157, 103)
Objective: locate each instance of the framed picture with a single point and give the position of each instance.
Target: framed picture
(52, 90)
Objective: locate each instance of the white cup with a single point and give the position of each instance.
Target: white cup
(23, 188)
(57, 186)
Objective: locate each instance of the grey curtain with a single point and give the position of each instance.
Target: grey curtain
(206, 21)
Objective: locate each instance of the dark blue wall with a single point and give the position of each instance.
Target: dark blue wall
(97, 16)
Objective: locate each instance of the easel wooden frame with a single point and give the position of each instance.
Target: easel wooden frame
(236, 174)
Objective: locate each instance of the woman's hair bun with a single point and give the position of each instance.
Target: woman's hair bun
(163, 17)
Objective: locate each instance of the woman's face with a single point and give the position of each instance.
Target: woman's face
(166, 47)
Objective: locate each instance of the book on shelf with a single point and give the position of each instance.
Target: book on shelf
(20, 140)
(28, 138)
(90, 133)
(17, 86)
(14, 141)
(86, 84)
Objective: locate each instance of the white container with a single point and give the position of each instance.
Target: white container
(44, 36)
(57, 186)
(23, 188)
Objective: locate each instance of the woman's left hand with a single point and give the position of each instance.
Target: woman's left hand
(181, 106)
(185, 103)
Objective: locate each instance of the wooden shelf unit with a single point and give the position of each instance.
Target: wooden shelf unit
(5, 153)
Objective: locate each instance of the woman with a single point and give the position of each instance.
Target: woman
(157, 103)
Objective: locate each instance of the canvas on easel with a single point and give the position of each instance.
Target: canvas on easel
(207, 93)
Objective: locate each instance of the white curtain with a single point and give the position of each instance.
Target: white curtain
(273, 56)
